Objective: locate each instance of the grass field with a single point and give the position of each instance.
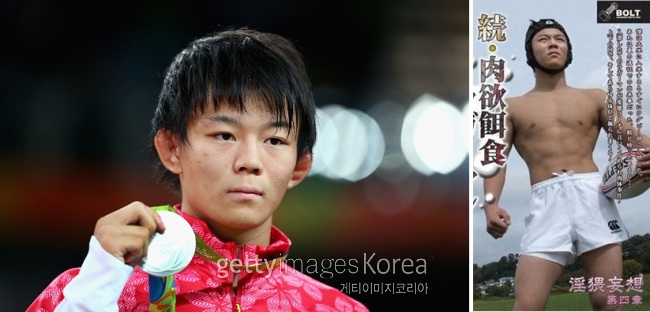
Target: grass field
(559, 302)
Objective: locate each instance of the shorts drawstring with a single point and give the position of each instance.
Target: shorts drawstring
(564, 172)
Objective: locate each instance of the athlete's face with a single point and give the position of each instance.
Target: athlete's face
(237, 166)
(550, 48)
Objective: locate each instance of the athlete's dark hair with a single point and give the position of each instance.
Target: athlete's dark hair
(227, 68)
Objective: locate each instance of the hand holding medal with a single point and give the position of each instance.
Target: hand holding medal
(172, 251)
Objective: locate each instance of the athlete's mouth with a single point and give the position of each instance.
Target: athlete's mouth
(246, 190)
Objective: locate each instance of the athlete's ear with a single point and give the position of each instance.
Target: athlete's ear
(168, 148)
(303, 166)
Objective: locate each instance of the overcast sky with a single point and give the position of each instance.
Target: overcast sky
(588, 70)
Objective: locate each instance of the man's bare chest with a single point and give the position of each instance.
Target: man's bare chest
(544, 112)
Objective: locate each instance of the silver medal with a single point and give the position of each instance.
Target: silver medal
(172, 251)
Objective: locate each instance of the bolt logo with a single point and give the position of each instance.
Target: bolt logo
(605, 15)
(623, 12)
(613, 225)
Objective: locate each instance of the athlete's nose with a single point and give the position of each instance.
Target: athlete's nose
(248, 158)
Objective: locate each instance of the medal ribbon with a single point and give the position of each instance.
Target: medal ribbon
(162, 292)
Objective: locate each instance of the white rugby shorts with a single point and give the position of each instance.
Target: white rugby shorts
(569, 215)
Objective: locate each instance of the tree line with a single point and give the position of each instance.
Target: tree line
(636, 260)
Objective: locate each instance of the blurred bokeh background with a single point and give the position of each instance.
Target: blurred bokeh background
(79, 85)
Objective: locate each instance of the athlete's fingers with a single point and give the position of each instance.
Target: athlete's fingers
(495, 233)
(644, 171)
(125, 242)
(497, 228)
(505, 217)
(135, 213)
(126, 232)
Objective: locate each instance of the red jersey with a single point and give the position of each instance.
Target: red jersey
(206, 285)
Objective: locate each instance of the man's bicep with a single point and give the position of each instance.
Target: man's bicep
(606, 108)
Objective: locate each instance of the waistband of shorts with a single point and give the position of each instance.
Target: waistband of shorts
(567, 176)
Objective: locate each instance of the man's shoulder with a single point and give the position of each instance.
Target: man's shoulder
(595, 95)
(591, 91)
(514, 100)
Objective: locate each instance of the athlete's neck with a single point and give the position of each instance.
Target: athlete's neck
(548, 82)
(259, 235)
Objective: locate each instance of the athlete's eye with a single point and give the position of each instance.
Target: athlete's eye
(224, 136)
(275, 141)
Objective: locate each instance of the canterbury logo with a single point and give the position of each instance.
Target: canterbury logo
(613, 225)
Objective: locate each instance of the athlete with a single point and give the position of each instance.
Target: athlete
(233, 131)
(554, 127)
